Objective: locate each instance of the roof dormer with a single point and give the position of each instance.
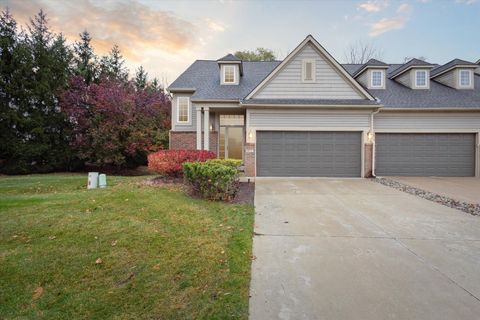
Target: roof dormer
(231, 69)
(477, 71)
(372, 74)
(457, 74)
(414, 74)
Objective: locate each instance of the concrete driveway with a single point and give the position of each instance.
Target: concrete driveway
(466, 189)
(355, 249)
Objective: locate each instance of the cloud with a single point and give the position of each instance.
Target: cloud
(373, 5)
(467, 2)
(393, 23)
(214, 26)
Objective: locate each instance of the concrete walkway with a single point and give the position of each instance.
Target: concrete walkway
(354, 249)
(466, 189)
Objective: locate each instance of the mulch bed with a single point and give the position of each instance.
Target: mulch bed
(245, 194)
(472, 208)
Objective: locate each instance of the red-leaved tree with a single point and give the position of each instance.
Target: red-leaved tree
(114, 123)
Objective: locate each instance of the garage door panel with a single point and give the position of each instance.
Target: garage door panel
(308, 154)
(425, 154)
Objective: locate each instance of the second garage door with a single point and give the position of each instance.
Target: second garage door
(308, 154)
(425, 154)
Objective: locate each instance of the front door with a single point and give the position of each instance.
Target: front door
(231, 137)
(231, 143)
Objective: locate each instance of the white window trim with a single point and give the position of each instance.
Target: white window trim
(426, 79)
(189, 109)
(314, 70)
(470, 76)
(381, 79)
(234, 74)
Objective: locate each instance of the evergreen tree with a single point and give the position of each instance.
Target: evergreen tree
(113, 67)
(85, 60)
(154, 86)
(140, 80)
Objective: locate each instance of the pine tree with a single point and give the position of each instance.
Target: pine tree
(140, 80)
(113, 67)
(85, 60)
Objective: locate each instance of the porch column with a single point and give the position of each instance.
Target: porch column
(199, 128)
(206, 128)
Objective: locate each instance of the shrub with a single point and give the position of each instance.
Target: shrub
(234, 163)
(211, 180)
(169, 162)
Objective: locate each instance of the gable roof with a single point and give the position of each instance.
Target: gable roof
(455, 63)
(370, 63)
(229, 57)
(409, 65)
(204, 78)
(310, 39)
(438, 96)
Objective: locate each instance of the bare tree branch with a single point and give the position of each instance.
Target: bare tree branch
(360, 52)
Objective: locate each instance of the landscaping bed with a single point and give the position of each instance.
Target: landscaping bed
(472, 208)
(131, 251)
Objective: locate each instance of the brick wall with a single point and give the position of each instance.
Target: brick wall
(249, 160)
(187, 140)
(368, 160)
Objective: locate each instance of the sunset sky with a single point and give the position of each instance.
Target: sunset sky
(167, 36)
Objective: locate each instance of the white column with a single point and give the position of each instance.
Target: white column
(206, 128)
(199, 128)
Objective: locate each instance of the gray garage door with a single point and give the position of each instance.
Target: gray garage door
(425, 154)
(308, 154)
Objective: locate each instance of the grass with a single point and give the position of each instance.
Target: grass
(164, 255)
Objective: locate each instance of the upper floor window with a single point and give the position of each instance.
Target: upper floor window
(308, 71)
(465, 79)
(421, 78)
(377, 79)
(229, 74)
(183, 110)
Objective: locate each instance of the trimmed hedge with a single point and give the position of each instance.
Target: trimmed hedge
(169, 162)
(234, 163)
(211, 180)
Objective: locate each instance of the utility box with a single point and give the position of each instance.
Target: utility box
(92, 180)
(102, 180)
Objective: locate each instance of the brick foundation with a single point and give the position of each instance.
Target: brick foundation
(187, 140)
(249, 160)
(368, 161)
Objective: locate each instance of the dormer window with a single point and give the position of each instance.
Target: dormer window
(421, 79)
(465, 78)
(377, 79)
(308, 70)
(229, 74)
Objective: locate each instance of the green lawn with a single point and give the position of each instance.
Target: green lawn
(165, 256)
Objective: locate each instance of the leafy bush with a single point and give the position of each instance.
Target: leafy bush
(234, 163)
(169, 162)
(211, 180)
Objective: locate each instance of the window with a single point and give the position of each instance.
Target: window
(308, 71)
(377, 79)
(183, 110)
(229, 74)
(465, 78)
(421, 78)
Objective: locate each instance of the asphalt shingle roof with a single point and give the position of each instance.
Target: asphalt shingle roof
(204, 77)
(370, 63)
(448, 65)
(229, 57)
(412, 63)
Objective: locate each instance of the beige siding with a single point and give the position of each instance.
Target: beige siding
(424, 121)
(308, 119)
(447, 79)
(288, 83)
(405, 79)
(363, 78)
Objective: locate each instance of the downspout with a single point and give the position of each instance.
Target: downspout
(373, 142)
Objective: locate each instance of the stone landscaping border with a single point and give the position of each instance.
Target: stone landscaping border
(472, 208)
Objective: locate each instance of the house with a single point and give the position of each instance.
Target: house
(309, 115)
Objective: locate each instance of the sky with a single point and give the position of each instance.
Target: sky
(167, 36)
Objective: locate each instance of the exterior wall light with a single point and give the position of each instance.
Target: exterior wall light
(370, 137)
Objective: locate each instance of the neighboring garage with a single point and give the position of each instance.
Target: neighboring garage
(425, 154)
(308, 154)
